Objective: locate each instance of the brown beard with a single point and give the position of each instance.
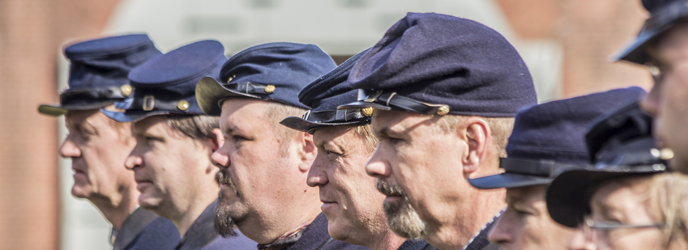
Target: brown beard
(401, 217)
(224, 225)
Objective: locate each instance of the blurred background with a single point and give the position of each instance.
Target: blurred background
(566, 44)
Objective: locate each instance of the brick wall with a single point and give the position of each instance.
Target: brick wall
(589, 32)
(31, 35)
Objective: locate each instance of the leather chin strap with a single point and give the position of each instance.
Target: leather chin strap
(338, 116)
(399, 102)
(250, 88)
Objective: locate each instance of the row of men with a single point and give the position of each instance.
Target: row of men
(411, 144)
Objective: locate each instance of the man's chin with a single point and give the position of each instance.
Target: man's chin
(149, 202)
(81, 191)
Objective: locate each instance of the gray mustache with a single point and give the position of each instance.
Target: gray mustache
(389, 189)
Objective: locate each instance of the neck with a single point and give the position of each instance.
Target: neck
(286, 215)
(467, 221)
(389, 241)
(117, 208)
(184, 217)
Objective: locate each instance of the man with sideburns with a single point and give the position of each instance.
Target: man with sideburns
(98, 146)
(264, 165)
(445, 91)
(174, 140)
(345, 143)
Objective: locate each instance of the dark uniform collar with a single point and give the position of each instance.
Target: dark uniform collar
(480, 241)
(202, 231)
(132, 226)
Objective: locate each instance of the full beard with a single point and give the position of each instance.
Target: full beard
(401, 217)
(224, 224)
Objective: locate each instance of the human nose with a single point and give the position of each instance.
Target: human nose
(581, 240)
(377, 166)
(133, 160)
(69, 148)
(650, 103)
(501, 233)
(316, 174)
(220, 159)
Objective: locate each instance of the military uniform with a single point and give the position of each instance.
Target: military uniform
(323, 96)
(435, 64)
(547, 138)
(274, 72)
(202, 235)
(98, 78)
(144, 229)
(165, 86)
(620, 145)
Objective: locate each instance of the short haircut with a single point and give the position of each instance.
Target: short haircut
(195, 127)
(275, 113)
(500, 128)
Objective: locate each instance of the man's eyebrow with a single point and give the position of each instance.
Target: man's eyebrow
(87, 126)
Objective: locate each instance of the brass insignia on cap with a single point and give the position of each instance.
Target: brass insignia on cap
(231, 78)
(443, 110)
(148, 103)
(270, 88)
(126, 89)
(666, 154)
(367, 111)
(183, 105)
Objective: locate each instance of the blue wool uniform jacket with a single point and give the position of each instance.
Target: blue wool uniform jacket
(316, 237)
(480, 241)
(144, 229)
(202, 235)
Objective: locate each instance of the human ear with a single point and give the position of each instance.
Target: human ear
(477, 134)
(217, 142)
(308, 151)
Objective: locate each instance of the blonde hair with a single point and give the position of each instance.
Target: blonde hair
(668, 199)
(365, 132)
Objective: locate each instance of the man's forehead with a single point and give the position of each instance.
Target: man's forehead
(77, 117)
(398, 121)
(148, 125)
(526, 194)
(333, 134)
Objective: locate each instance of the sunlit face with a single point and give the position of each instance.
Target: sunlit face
(255, 170)
(526, 224)
(98, 149)
(168, 166)
(623, 201)
(668, 99)
(350, 199)
(424, 162)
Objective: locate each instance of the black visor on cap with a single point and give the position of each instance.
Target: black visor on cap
(521, 173)
(379, 99)
(312, 120)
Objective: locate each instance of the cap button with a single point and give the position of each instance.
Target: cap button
(183, 105)
(126, 89)
(367, 111)
(270, 88)
(443, 110)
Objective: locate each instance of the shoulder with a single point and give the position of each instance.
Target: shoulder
(238, 242)
(159, 234)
